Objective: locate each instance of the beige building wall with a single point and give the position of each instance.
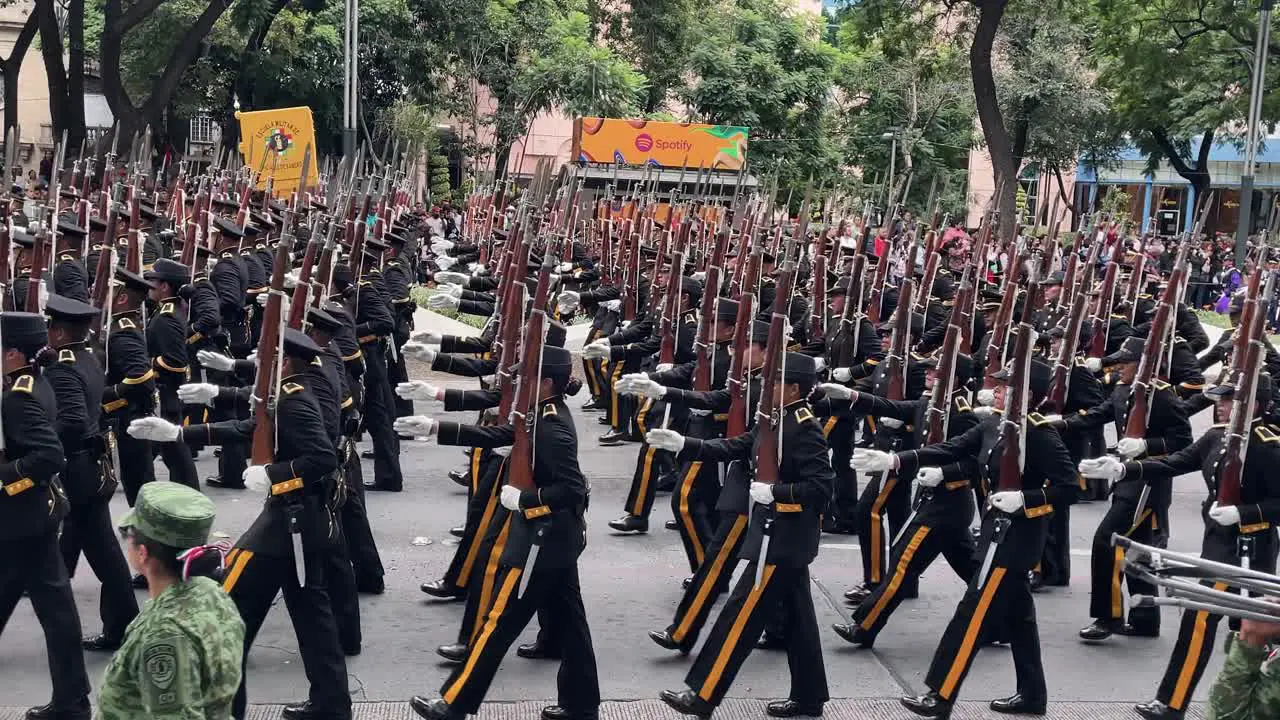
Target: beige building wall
(33, 87)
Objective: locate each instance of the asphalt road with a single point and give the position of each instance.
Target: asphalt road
(631, 585)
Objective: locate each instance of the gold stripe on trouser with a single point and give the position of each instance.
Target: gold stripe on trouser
(644, 413)
(475, 468)
(877, 527)
(476, 541)
(1182, 687)
(490, 573)
(948, 689)
(490, 624)
(613, 392)
(831, 423)
(242, 558)
(712, 578)
(686, 484)
(735, 634)
(1117, 599)
(899, 573)
(645, 472)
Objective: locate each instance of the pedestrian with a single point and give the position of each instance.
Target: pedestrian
(181, 656)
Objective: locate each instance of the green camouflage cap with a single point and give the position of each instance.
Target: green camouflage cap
(171, 514)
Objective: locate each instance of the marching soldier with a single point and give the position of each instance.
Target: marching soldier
(797, 503)
(77, 379)
(1232, 534)
(31, 507)
(231, 281)
(298, 486)
(167, 344)
(398, 277)
(70, 278)
(131, 380)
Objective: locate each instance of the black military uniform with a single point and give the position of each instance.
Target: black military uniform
(131, 385)
(167, 345)
(801, 494)
(70, 278)
(32, 505)
(1254, 537)
(231, 282)
(1168, 430)
(204, 329)
(552, 517)
(263, 562)
(397, 275)
(1014, 542)
(77, 379)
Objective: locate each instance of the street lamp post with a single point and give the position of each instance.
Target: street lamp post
(350, 76)
(1251, 138)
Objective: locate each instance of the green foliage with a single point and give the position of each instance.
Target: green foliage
(1117, 203)
(413, 123)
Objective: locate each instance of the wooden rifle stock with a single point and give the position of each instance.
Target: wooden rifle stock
(520, 468)
(768, 454)
(939, 409)
(896, 362)
(264, 451)
(1239, 427)
(1013, 424)
(1141, 391)
(1102, 314)
(707, 328)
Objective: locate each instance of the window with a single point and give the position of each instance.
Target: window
(204, 131)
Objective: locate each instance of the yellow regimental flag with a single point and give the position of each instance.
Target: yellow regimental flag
(273, 142)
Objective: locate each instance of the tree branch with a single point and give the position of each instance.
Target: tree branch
(21, 44)
(139, 12)
(187, 49)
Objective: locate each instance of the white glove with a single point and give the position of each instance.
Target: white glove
(842, 374)
(477, 269)
(564, 267)
(510, 498)
(440, 246)
(665, 440)
(1094, 364)
(255, 478)
(663, 367)
(762, 493)
(986, 398)
(215, 361)
(891, 423)
(1053, 419)
(612, 305)
(700, 276)
(445, 262)
(819, 363)
(1131, 448)
(644, 386)
(416, 425)
(872, 460)
(420, 352)
(155, 429)
(427, 337)
(929, 477)
(291, 279)
(418, 390)
(453, 291)
(568, 301)
(197, 393)
(836, 391)
(1224, 515)
(598, 350)
(1007, 501)
(252, 357)
(1102, 468)
(453, 278)
(441, 301)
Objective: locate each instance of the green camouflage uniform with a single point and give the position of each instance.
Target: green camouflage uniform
(1245, 690)
(181, 657)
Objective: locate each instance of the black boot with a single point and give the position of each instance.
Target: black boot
(303, 711)
(930, 705)
(855, 595)
(791, 708)
(461, 477)
(455, 653)
(215, 481)
(769, 641)
(630, 523)
(47, 712)
(1098, 630)
(1019, 705)
(100, 643)
(458, 532)
(435, 709)
(443, 590)
(854, 634)
(666, 642)
(537, 651)
(686, 702)
(1156, 710)
(555, 712)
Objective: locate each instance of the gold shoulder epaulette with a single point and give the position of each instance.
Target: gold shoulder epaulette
(1160, 384)
(66, 256)
(1036, 419)
(66, 355)
(24, 383)
(291, 388)
(1266, 435)
(962, 405)
(364, 283)
(316, 361)
(227, 254)
(549, 409)
(803, 414)
(126, 323)
(1081, 362)
(166, 308)
(1219, 425)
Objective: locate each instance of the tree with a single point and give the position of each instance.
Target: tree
(1178, 73)
(66, 81)
(760, 65)
(134, 110)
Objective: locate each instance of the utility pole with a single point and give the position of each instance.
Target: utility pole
(1251, 138)
(350, 77)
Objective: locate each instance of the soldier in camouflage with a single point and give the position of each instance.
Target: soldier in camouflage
(1249, 685)
(181, 656)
